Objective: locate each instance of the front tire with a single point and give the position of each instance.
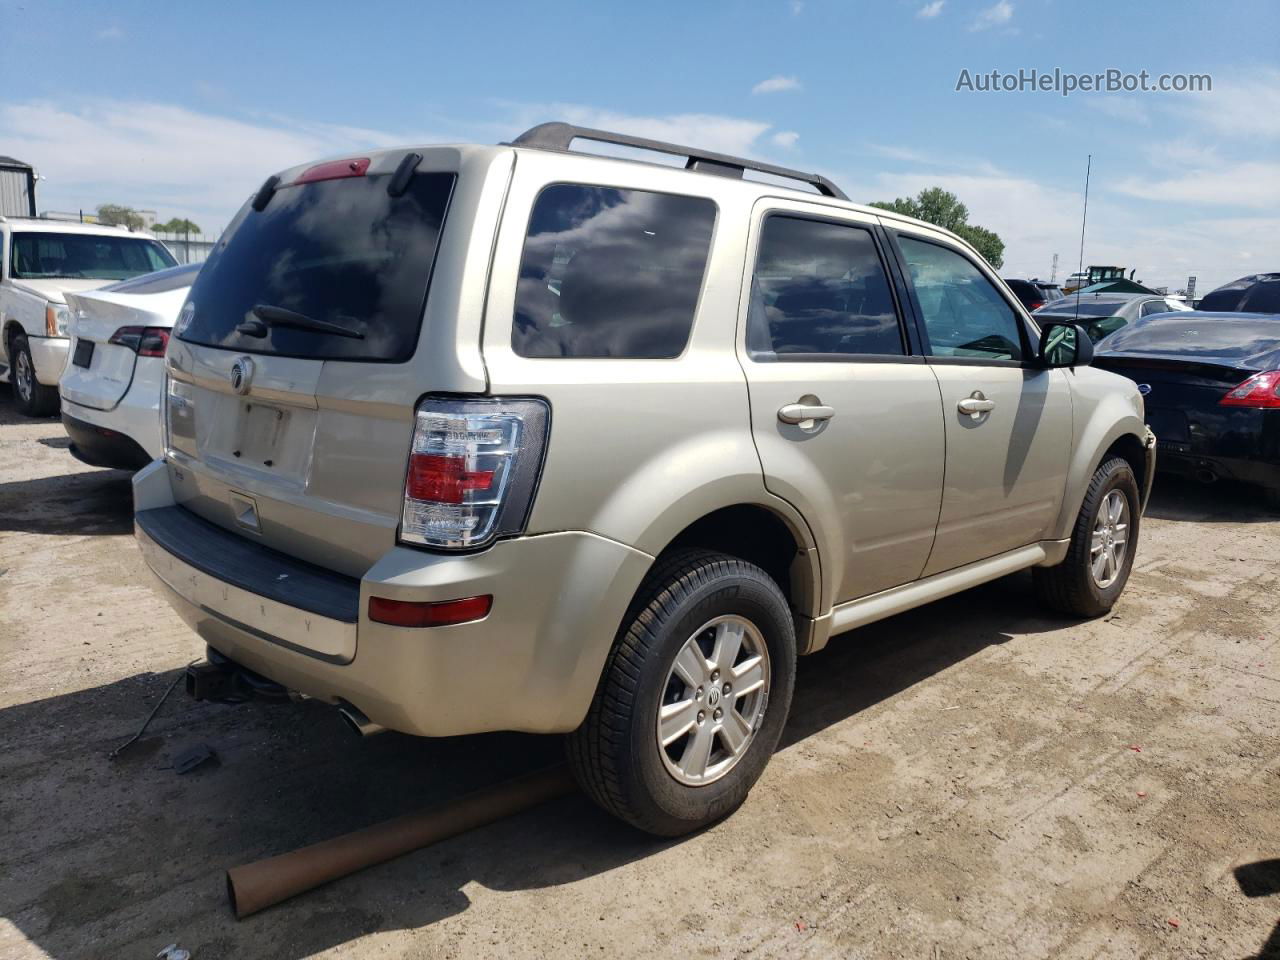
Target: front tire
(33, 398)
(1103, 542)
(693, 697)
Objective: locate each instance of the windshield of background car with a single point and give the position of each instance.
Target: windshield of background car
(340, 251)
(82, 256)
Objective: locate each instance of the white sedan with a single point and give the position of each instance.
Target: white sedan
(112, 383)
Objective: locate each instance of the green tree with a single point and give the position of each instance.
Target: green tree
(113, 214)
(943, 208)
(178, 225)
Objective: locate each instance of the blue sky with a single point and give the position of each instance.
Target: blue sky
(185, 108)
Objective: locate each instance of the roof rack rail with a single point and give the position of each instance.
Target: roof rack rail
(559, 136)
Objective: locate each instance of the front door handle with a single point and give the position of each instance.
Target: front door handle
(801, 413)
(976, 404)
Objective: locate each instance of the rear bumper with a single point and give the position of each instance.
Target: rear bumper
(102, 446)
(49, 354)
(532, 664)
(1242, 444)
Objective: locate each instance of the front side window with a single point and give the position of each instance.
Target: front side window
(79, 256)
(820, 289)
(964, 315)
(1154, 306)
(611, 273)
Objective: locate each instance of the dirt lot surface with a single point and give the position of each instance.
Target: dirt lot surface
(968, 780)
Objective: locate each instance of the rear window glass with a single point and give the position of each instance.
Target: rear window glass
(81, 256)
(611, 273)
(1066, 310)
(342, 252)
(820, 290)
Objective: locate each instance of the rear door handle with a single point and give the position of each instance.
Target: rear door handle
(804, 412)
(976, 404)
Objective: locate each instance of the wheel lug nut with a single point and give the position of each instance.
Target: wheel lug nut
(718, 714)
(698, 695)
(701, 716)
(727, 689)
(715, 674)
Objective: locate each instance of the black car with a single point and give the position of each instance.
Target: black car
(1256, 293)
(1034, 294)
(1211, 382)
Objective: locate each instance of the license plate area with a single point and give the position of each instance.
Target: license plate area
(262, 432)
(82, 356)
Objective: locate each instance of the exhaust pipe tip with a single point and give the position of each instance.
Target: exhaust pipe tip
(358, 722)
(1206, 476)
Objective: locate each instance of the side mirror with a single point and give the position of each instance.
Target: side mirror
(1065, 344)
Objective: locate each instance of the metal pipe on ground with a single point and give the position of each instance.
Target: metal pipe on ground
(256, 886)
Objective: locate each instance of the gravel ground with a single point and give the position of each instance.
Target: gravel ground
(971, 779)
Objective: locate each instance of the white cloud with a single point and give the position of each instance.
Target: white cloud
(797, 7)
(1128, 109)
(996, 15)
(111, 33)
(776, 84)
(930, 10)
(786, 139)
(164, 157)
(1244, 105)
(1252, 184)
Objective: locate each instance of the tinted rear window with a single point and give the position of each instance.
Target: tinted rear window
(1065, 310)
(611, 273)
(339, 251)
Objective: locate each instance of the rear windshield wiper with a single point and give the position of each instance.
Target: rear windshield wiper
(268, 315)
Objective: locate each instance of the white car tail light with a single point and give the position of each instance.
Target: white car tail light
(473, 468)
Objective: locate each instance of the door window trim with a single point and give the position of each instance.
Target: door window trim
(910, 354)
(1030, 342)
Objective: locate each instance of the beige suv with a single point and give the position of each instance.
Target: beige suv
(471, 438)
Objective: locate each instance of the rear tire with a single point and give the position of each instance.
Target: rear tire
(1076, 587)
(33, 398)
(656, 686)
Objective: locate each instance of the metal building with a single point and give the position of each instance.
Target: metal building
(17, 188)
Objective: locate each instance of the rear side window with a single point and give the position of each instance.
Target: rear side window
(964, 315)
(611, 273)
(343, 252)
(820, 290)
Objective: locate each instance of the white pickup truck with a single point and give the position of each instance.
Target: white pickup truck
(40, 262)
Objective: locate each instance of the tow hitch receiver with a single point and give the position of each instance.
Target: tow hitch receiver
(222, 679)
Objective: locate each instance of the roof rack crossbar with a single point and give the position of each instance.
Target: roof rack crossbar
(559, 136)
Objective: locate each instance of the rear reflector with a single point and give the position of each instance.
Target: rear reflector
(409, 613)
(1262, 390)
(335, 170)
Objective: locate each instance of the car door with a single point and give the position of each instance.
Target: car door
(847, 422)
(1007, 420)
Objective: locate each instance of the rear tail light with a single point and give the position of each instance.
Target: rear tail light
(334, 170)
(439, 613)
(1034, 305)
(473, 468)
(144, 341)
(1262, 390)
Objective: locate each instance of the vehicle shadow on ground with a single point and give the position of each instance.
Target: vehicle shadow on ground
(130, 856)
(97, 501)
(1226, 501)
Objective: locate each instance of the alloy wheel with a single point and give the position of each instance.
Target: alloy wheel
(714, 700)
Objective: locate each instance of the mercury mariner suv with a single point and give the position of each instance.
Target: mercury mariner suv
(517, 437)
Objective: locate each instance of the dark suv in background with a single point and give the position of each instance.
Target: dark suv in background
(1034, 294)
